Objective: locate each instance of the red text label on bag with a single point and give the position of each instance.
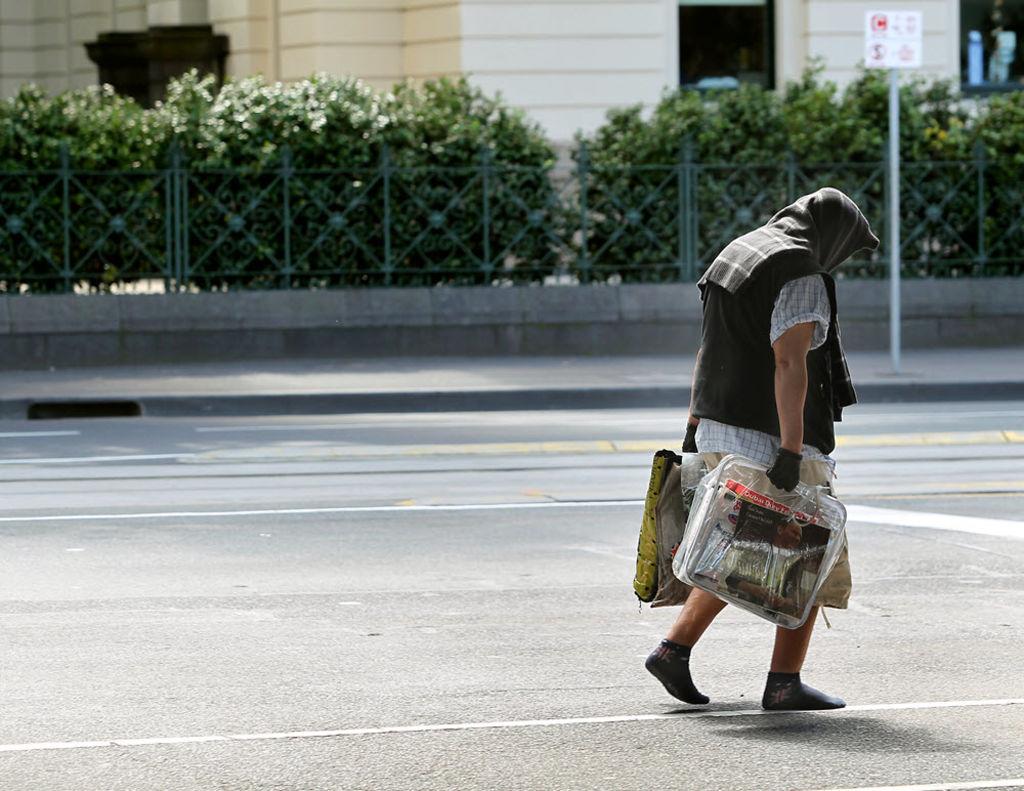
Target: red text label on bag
(767, 502)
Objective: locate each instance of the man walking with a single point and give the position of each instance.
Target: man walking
(770, 380)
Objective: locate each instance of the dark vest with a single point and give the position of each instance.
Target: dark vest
(735, 378)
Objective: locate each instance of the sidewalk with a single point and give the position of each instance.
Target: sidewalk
(319, 386)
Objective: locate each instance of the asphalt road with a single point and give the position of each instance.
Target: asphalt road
(444, 602)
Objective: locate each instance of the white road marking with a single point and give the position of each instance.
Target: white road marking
(602, 551)
(495, 725)
(167, 740)
(1005, 528)
(342, 509)
(303, 427)
(31, 434)
(99, 459)
(975, 784)
(9, 748)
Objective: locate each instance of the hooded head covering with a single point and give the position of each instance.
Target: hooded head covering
(814, 234)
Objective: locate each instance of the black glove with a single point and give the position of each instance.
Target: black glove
(785, 471)
(690, 440)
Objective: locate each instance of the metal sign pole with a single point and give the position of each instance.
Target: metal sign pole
(894, 218)
(893, 40)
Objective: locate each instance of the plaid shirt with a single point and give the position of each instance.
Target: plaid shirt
(800, 301)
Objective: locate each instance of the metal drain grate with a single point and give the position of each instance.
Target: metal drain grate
(57, 410)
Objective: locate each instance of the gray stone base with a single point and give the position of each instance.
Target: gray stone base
(69, 330)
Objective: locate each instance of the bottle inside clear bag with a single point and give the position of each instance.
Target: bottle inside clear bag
(757, 547)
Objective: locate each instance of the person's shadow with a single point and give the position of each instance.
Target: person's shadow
(855, 732)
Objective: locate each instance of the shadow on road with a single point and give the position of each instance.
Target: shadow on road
(843, 732)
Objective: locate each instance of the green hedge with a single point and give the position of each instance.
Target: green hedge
(327, 183)
(281, 186)
(813, 121)
(742, 154)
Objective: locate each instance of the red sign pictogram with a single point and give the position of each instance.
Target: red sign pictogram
(893, 39)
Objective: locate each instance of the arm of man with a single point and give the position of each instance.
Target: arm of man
(790, 351)
(693, 381)
(690, 440)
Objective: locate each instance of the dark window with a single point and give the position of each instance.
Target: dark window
(991, 37)
(140, 64)
(725, 42)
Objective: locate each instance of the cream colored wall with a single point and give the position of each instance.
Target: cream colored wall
(432, 39)
(128, 15)
(177, 12)
(43, 41)
(790, 39)
(834, 30)
(360, 37)
(566, 62)
(252, 32)
(17, 46)
(380, 41)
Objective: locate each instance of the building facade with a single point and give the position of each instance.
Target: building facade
(564, 62)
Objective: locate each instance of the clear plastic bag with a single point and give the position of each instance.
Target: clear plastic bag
(762, 549)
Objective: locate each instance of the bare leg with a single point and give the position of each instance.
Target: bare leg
(696, 615)
(791, 646)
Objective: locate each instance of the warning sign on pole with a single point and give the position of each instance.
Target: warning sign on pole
(892, 39)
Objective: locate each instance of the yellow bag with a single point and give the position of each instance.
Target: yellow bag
(666, 510)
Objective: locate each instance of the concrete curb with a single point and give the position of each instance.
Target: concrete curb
(239, 405)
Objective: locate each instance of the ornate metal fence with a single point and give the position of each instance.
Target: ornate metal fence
(181, 228)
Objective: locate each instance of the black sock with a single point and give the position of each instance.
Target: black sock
(670, 664)
(785, 692)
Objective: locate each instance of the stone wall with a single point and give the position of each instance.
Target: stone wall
(67, 330)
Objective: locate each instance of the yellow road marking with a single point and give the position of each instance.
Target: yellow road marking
(934, 495)
(645, 446)
(937, 439)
